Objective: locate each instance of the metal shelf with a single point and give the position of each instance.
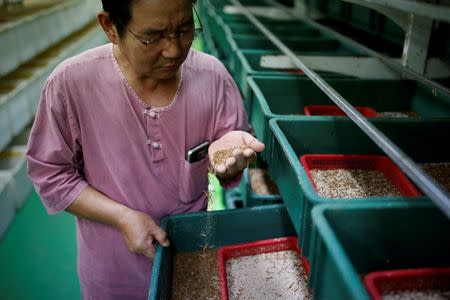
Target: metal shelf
(417, 7)
(428, 186)
(416, 18)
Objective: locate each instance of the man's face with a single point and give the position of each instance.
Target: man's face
(149, 20)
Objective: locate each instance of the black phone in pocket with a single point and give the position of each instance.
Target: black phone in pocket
(198, 152)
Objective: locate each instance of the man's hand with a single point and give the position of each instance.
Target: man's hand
(138, 229)
(246, 148)
(141, 233)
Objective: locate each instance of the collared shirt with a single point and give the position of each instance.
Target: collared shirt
(92, 128)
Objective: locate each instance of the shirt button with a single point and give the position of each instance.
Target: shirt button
(156, 145)
(153, 115)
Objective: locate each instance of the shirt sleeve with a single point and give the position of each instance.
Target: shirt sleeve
(232, 116)
(231, 112)
(54, 152)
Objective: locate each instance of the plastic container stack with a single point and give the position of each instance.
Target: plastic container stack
(343, 238)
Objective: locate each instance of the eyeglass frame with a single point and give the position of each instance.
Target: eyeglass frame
(178, 36)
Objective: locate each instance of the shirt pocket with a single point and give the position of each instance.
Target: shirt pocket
(193, 180)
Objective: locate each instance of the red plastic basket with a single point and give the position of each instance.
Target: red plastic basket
(253, 248)
(383, 282)
(334, 110)
(365, 162)
(295, 72)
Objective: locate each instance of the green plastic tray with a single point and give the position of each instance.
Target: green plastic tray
(219, 4)
(277, 97)
(352, 240)
(233, 198)
(306, 46)
(208, 43)
(229, 35)
(422, 140)
(245, 63)
(292, 94)
(250, 199)
(225, 33)
(216, 18)
(228, 227)
(294, 29)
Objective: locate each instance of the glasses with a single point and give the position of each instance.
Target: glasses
(184, 37)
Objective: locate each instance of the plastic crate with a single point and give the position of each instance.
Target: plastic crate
(228, 33)
(306, 46)
(334, 110)
(218, 5)
(281, 97)
(250, 198)
(246, 63)
(382, 282)
(239, 24)
(284, 29)
(253, 248)
(209, 46)
(294, 137)
(350, 241)
(317, 46)
(228, 227)
(233, 198)
(293, 94)
(365, 162)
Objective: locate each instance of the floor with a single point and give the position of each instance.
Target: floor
(38, 255)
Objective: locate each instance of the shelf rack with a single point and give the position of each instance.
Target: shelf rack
(428, 186)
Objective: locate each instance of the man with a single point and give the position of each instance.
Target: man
(112, 132)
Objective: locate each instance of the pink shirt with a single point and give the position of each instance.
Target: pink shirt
(92, 128)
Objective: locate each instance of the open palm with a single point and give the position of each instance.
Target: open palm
(245, 148)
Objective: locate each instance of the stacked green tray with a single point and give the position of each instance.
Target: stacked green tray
(250, 198)
(230, 35)
(233, 198)
(207, 14)
(187, 233)
(246, 63)
(320, 46)
(234, 34)
(217, 18)
(352, 240)
(219, 4)
(280, 28)
(422, 140)
(246, 54)
(208, 43)
(302, 45)
(278, 97)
